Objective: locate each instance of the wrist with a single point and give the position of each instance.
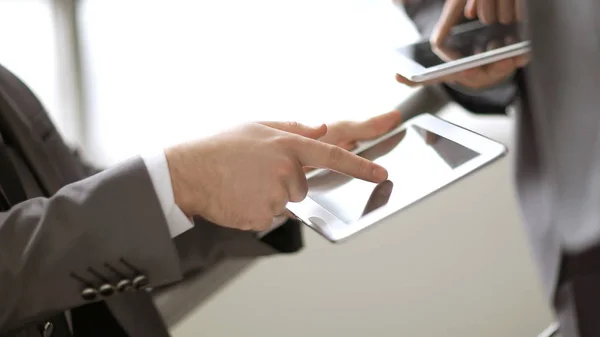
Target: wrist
(180, 180)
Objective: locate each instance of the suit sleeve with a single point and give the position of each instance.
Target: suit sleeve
(425, 14)
(96, 232)
(206, 244)
(88, 168)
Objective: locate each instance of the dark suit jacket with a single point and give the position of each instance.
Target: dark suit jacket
(92, 244)
(558, 152)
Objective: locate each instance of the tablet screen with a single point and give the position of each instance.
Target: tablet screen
(466, 42)
(416, 159)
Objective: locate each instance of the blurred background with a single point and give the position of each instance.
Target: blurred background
(121, 77)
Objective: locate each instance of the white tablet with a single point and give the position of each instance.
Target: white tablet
(423, 155)
(469, 45)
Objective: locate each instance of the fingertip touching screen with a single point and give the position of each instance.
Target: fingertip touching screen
(416, 159)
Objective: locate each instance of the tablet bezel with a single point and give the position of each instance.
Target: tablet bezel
(334, 229)
(413, 71)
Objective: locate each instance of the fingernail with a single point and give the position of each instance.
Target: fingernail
(319, 126)
(380, 173)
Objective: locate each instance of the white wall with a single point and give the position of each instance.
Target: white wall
(29, 50)
(169, 70)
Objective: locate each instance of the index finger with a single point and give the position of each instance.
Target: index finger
(451, 15)
(317, 154)
(445, 53)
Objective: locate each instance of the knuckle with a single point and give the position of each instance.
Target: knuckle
(293, 124)
(335, 154)
(364, 167)
(286, 168)
(278, 202)
(245, 226)
(237, 222)
(286, 142)
(258, 223)
(300, 194)
(281, 139)
(264, 224)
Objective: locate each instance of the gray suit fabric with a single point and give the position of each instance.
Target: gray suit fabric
(74, 223)
(558, 151)
(559, 161)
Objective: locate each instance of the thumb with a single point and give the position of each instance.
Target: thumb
(375, 126)
(451, 14)
(299, 129)
(471, 9)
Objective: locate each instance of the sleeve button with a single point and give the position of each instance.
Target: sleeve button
(140, 282)
(124, 285)
(48, 329)
(106, 289)
(89, 294)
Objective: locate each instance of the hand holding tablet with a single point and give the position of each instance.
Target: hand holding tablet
(422, 156)
(346, 135)
(473, 55)
(476, 54)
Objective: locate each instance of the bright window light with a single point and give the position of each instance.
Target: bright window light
(160, 72)
(29, 50)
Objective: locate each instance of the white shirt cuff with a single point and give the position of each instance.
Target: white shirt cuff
(157, 166)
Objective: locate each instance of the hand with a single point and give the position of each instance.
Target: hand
(484, 76)
(346, 134)
(477, 78)
(245, 177)
(488, 11)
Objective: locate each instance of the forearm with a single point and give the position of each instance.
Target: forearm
(50, 248)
